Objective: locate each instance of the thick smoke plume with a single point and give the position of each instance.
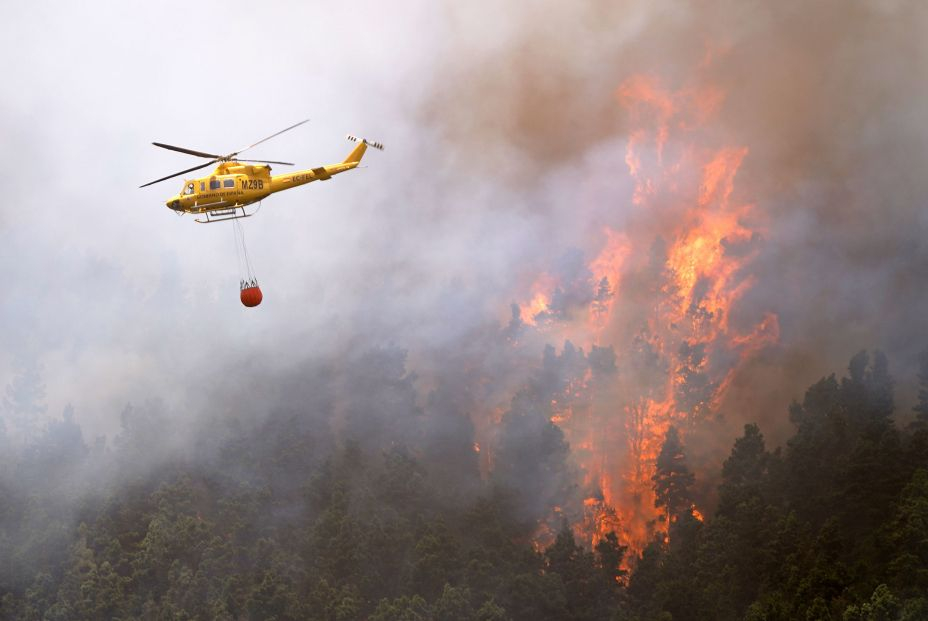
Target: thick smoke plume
(536, 213)
(787, 139)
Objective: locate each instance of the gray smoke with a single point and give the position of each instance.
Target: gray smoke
(505, 159)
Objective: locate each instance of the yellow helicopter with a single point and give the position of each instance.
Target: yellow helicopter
(235, 183)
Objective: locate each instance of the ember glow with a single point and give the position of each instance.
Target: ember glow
(661, 294)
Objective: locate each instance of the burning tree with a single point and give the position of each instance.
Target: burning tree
(658, 293)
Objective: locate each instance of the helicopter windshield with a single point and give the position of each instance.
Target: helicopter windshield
(188, 189)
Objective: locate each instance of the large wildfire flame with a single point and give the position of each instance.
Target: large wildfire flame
(662, 294)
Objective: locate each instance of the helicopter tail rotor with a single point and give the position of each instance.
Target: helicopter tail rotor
(358, 152)
(370, 143)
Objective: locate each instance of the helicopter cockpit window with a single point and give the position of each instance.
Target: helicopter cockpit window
(188, 189)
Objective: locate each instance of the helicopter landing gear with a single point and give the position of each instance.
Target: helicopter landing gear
(231, 213)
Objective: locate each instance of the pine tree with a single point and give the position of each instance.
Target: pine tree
(609, 554)
(693, 393)
(604, 293)
(453, 604)
(735, 553)
(673, 479)
(744, 472)
(645, 582)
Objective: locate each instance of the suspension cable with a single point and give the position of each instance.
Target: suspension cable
(241, 250)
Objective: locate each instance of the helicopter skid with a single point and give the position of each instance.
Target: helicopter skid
(229, 213)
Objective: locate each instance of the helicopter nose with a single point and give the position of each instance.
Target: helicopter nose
(173, 204)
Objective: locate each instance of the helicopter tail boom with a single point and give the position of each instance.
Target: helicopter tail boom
(358, 152)
(323, 173)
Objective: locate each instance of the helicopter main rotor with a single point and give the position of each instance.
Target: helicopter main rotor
(231, 157)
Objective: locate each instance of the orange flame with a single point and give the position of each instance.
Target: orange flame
(668, 318)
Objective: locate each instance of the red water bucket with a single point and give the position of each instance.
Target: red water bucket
(251, 296)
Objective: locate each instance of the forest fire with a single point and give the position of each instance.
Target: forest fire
(628, 324)
(660, 294)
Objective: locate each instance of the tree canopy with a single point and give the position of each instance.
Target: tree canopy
(287, 519)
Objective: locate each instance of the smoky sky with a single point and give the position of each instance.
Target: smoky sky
(505, 146)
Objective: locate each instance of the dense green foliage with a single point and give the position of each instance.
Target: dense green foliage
(833, 527)
(281, 519)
